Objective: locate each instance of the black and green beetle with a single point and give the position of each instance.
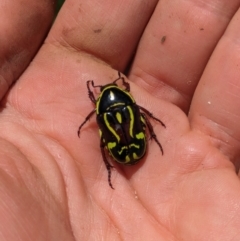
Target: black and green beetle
(122, 124)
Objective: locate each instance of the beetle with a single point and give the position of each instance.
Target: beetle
(122, 124)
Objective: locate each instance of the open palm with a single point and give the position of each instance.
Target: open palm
(182, 62)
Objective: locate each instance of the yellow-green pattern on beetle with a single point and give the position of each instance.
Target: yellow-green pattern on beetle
(121, 124)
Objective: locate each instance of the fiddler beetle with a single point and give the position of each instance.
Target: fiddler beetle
(121, 123)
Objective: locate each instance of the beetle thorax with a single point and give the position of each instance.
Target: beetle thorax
(112, 96)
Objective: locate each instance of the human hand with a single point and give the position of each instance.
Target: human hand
(54, 185)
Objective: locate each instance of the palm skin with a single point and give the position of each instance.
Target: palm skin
(54, 185)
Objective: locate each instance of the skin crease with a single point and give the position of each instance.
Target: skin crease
(54, 185)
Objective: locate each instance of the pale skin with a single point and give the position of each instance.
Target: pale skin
(185, 68)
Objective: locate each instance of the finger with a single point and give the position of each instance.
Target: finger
(109, 31)
(23, 25)
(176, 46)
(216, 104)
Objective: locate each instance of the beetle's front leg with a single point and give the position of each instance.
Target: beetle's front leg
(124, 83)
(107, 164)
(90, 93)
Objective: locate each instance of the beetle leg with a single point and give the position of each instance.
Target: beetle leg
(151, 115)
(86, 119)
(107, 164)
(126, 84)
(90, 93)
(151, 131)
(119, 77)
